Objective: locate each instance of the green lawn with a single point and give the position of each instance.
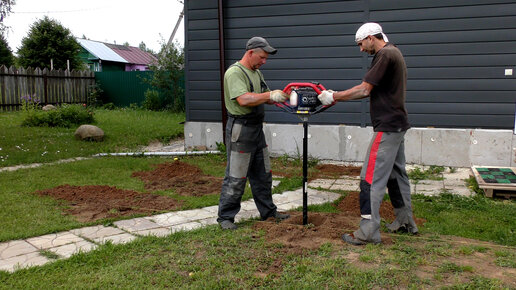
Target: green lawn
(214, 259)
(124, 129)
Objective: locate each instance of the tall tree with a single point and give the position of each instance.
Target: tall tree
(5, 9)
(49, 40)
(168, 76)
(6, 55)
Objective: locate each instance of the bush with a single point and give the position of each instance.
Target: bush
(108, 106)
(64, 116)
(152, 101)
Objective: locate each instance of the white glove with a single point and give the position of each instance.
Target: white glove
(326, 97)
(278, 96)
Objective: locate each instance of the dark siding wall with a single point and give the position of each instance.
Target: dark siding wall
(202, 79)
(456, 52)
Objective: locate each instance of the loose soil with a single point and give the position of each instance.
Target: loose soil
(94, 202)
(323, 227)
(183, 178)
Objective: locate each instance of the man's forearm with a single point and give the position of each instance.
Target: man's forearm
(253, 99)
(357, 92)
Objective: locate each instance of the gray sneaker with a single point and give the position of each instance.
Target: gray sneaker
(281, 216)
(228, 225)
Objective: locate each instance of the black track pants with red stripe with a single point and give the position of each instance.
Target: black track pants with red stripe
(384, 167)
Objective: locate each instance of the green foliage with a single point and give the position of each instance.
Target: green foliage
(168, 77)
(29, 104)
(432, 173)
(5, 10)
(48, 40)
(64, 116)
(473, 185)
(95, 95)
(109, 106)
(152, 101)
(6, 55)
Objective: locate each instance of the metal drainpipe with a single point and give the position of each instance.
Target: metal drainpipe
(222, 68)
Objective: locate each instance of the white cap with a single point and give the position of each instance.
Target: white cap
(367, 29)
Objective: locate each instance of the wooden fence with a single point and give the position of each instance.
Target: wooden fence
(46, 86)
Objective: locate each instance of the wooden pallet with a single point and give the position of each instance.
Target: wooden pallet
(504, 186)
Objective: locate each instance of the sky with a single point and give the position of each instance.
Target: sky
(111, 21)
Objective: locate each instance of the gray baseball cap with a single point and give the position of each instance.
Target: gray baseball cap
(260, 42)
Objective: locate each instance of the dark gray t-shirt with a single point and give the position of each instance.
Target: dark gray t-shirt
(388, 75)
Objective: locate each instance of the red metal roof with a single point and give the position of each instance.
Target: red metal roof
(132, 54)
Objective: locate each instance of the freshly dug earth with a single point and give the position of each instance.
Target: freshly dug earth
(323, 227)
(94, 202)
(183, 178)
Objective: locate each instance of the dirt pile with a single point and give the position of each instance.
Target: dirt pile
(183, 178)
(323, 227)
(94, 202)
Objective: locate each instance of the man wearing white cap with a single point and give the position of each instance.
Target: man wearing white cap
(384, 166)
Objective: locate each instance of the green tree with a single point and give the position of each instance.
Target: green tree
(168, 76)
(5, 10)
(49, 40)
(6, 55)
(143, 47)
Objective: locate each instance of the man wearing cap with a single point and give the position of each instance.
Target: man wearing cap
(384, 166)
(245, 93)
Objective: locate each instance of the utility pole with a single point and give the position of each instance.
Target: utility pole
(177, 26)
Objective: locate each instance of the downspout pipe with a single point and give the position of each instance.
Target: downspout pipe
(222, 69)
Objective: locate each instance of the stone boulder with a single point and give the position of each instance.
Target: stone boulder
(89, 133)
(48, 108)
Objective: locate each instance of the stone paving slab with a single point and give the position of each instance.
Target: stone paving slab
(66, 251)
(168, 219)
(136, 225)
(23, 261)
(346, 184)
(15, 248)
(208, 221)
(115, 239)
(156, 232)
(54, 240)
(322, 183)
(186, 227)
(195, 214)
(248, 205)
(429, 187)
(290, 205)
(246, 214)
(96, 232)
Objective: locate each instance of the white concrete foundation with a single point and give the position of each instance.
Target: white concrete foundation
(425, 146)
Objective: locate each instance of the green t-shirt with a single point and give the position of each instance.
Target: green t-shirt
(237, 84)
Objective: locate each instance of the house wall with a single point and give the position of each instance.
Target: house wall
(457, 53)
(136, 67)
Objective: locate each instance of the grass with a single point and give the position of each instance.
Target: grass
(474, 217)
(211, 258)
(124, 130)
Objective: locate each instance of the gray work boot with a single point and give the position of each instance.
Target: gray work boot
(228, 225)
(281, 216)
(351, 239)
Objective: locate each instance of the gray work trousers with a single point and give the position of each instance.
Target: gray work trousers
(247, 158)
(384, 167)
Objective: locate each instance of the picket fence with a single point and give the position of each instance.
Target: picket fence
(45, 86)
